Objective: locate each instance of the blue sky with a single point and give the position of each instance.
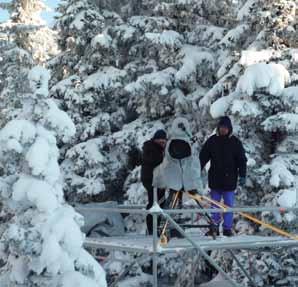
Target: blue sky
(48, 16)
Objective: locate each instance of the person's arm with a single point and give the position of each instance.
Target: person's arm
(150, 157)
(205, 154)
(241, 160)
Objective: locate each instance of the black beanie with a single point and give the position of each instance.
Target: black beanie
(225, 122)
(160, 134)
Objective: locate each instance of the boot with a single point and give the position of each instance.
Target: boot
(227, 232)
(214, 229)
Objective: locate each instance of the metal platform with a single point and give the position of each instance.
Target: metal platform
(144, 244)
(149, 245)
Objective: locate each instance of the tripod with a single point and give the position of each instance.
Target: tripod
(173, 201)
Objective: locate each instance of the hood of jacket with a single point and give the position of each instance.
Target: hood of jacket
(180, 130)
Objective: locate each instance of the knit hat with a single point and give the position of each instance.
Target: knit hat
(225, 122)
(160, 134)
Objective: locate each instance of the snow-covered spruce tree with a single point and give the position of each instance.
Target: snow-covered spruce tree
(124, 68)
(15, 64)
(28, 30)
(41, 244)
(25, 40)
(262, 87)
(255, 99)
(265, 117)
(275, 174)
(94, 98)
(123, 76)
(78, 23)
(86, 92)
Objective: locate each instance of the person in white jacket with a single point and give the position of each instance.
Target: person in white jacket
(180, 169)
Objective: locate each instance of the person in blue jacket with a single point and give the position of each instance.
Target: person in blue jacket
(227, 163)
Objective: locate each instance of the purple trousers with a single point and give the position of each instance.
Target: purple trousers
(228, 197)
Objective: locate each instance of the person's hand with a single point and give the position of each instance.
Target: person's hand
(242, 181)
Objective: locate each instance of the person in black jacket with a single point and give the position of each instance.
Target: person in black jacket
(227, 162)
(153, 154)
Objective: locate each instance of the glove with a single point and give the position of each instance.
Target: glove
(242, 181)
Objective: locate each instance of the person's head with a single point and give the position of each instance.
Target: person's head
(224, 126)
(160, 137)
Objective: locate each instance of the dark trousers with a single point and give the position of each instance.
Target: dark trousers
(161, 200)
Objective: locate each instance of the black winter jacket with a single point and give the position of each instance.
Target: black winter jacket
(153, 155)
(228, 160)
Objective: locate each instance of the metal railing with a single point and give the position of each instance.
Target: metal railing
(156, 211)
(128, 210)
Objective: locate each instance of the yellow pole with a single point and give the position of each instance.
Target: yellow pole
(252, 218)
(163, 238)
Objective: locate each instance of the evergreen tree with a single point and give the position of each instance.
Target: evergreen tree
(25, 40)
(41, 244)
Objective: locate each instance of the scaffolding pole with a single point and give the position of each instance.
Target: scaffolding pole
(202, 251)
(296, 205)
(155, 239)
(208, 245)
(190, 211)
(245, 273)
(156, 211)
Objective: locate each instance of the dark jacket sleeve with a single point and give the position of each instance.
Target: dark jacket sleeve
(150, 157)
(205, 153)
(241, 160)
(134, 157)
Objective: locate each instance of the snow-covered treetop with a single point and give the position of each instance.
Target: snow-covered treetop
(80, 20)
(25, 12)
(27, 30)
(48, 113)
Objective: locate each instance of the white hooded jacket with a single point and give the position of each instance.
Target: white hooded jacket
(175, 173)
